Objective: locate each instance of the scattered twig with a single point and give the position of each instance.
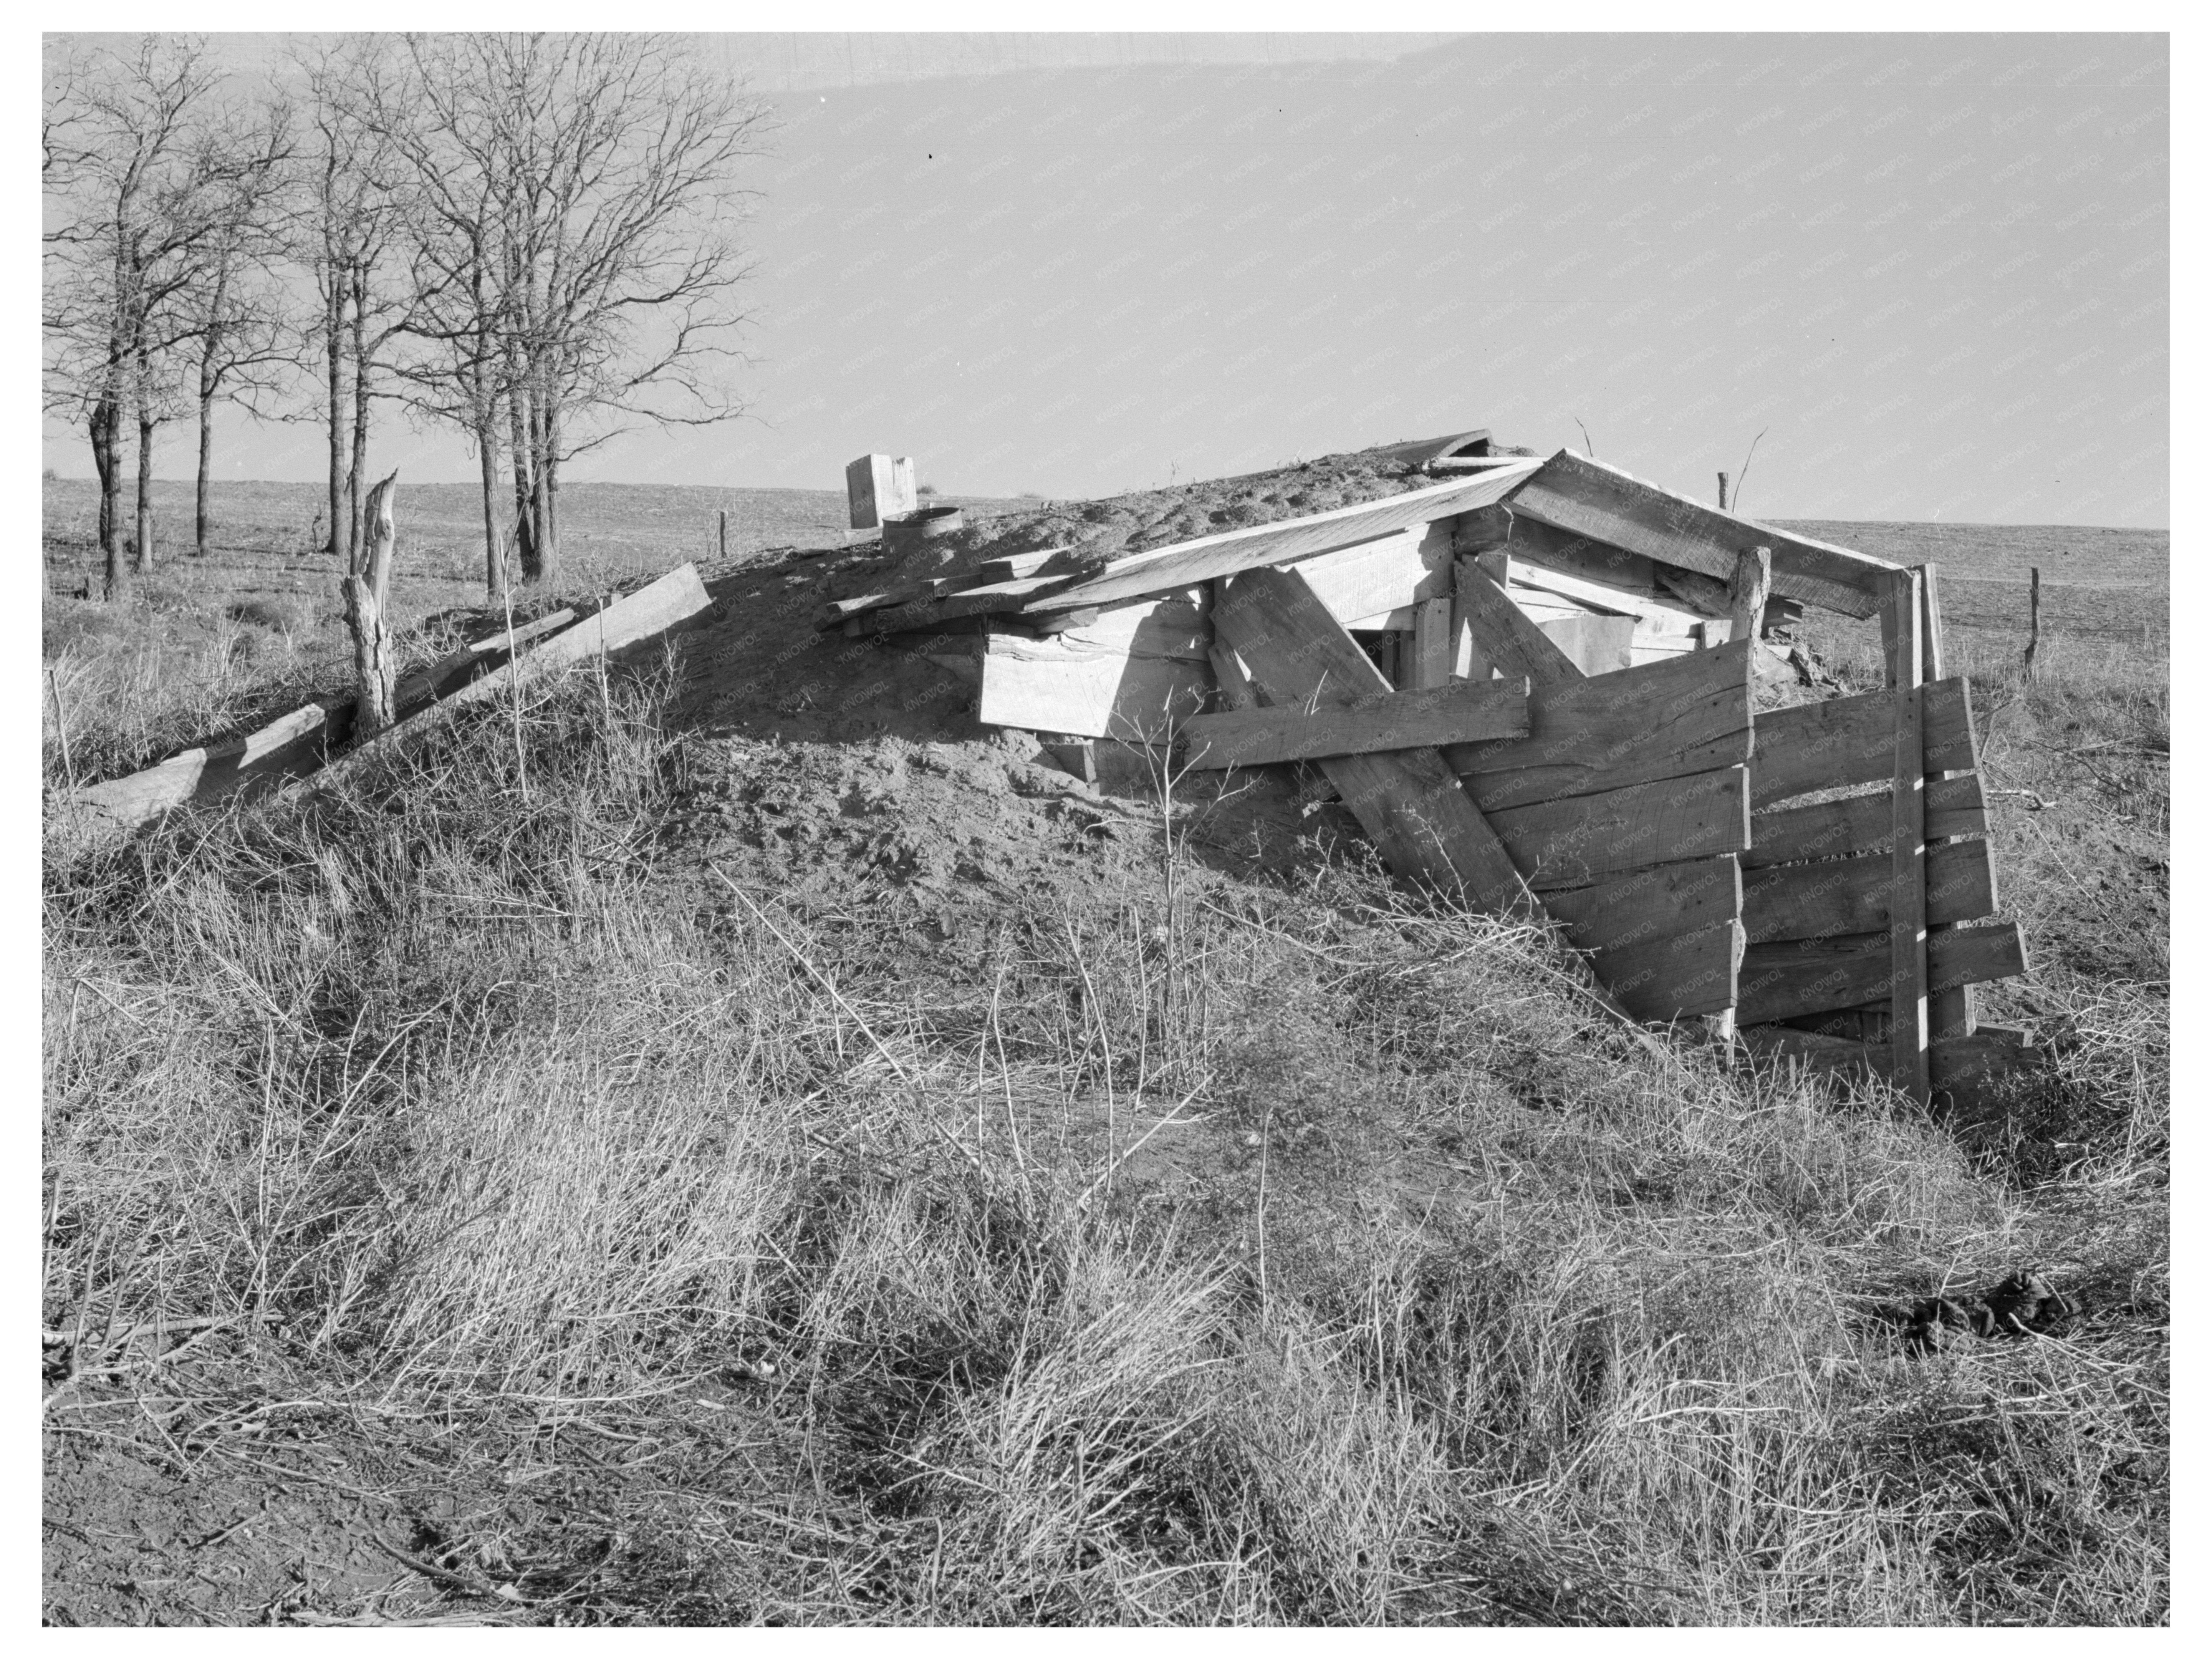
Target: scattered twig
(1589, 448)
(2035, 802)
(1744, 471)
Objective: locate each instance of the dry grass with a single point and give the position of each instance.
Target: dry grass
(1216, 1254)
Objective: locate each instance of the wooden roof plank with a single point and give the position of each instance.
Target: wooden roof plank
(1573, 493)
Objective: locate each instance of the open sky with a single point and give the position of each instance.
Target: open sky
(1932, 270)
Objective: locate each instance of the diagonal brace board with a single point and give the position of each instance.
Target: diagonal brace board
(1407, 801)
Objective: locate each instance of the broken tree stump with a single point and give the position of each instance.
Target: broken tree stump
(367, 588)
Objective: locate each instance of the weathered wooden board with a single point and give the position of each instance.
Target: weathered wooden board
(989, 599)
(1856, 824)
(1408, 800)
(1674, 978)
(1847, 740)
(1666, 901)
(1375, 578)
(1595, 645)
(297, 743)
(1663, 720)
(1531, 541)
(1370, 723)
(1573, 842)
(1805, 976)
(1506, 635)
(659, 608)
(1041, 685)
(1432, 645)
(1172, 625)
(1186, 563)
(1852, 894)
(1588, 498)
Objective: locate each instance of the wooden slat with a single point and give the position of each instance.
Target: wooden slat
(1688, 715)
(1040, 685)
(1186, 563)
(1805, 976)
(1666, 901)
(1573, 493)
(1371, 723)
(991, 598)
(1908, 851)
(1505, 633)
(1574, 842)
(1676, 978)
(1847, 740)
(1856, 824)
(632, 622)
(1852, 894)
(1432, 647)
(1375, 578)
(1950, 1013)
(1595, 645)
(1408, 801)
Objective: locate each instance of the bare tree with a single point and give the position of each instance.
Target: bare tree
(127, 193)
(581, 231)
(235, 304)
(347, 236)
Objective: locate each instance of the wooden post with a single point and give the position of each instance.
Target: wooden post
(1902, 638)
(1951, 1013)
(366, 588)
(2034, 620)
(1723, 492)
(1748, 589)
(1432, 643)
(722, 532)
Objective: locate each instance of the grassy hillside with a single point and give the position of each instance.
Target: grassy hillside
(759, 1147)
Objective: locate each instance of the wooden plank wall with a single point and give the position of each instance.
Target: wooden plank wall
(1866, 913)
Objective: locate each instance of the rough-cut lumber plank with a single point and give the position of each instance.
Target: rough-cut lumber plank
(1908, 851)
(1950, 1013)
(1041, 685)
(1847, 740)
(1860, 824)
(1230, 680)
(1574, 842)
(1573, 493)
(1432, 645)
(1369, 724)
(1807, 976)
(1375, 578)
(1408, 801)
(1675, 978)
(1507, 634)
(657, 608)
(1172, 625)
(1666, 901)
(1594, 596)
(292, 745)
(1852, 894)
(992, 598)
(1595, 645)
(1662, 719)
(1186, 563)
(214, 771)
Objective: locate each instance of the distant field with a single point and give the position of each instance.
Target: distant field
(2104, 583)
(2109, 584)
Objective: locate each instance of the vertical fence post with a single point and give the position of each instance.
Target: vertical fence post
(1902, 642)
(1723, 492)
(1950, 1013)
(2034, 621)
